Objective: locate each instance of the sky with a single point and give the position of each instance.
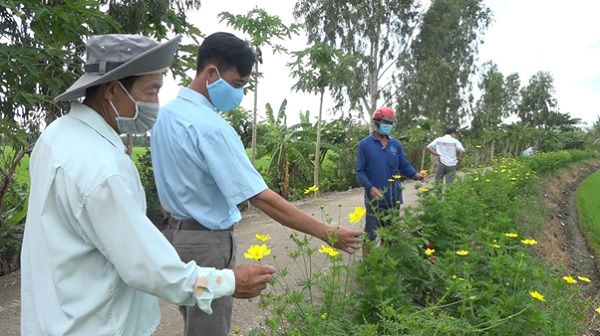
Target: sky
(526, 36)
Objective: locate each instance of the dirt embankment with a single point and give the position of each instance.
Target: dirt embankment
(562, 244)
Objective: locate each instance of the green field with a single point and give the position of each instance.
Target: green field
(588, 208)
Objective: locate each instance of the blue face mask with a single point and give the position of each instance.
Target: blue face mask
(385, 129)
(224, 96)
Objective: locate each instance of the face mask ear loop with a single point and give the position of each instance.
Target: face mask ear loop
(126, 92)
(114, 108)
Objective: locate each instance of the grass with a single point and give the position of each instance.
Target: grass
(588, 208)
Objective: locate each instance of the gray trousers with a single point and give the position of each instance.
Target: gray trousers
(208, 249)
(445, 172)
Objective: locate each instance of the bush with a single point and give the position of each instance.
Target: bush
(457, 263)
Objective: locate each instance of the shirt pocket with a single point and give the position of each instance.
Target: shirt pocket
(393, 161)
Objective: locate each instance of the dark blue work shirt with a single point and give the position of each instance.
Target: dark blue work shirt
(376, 166)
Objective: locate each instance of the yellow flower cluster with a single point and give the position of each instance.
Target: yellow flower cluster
(257, 252)
(357, 215)
(262, 238)
(462, 252)
(537, 295)
(328, 250)
(311, 189)
(529, 241)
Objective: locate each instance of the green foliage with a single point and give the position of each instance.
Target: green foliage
(241, 122)
(40, 54)
(143, 160)
(375, 34)
(442, 60)
(588, 209)
(14, 147)
(264, 30)
(455, 264)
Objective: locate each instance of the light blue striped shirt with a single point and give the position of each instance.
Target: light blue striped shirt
(201, 168)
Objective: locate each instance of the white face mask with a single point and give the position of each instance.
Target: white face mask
(143, 120)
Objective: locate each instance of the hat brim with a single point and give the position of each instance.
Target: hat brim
(152, 60)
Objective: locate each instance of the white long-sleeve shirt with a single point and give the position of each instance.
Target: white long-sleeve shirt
(92, 263)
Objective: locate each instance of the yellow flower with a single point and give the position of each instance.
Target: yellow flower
(424, 189)
(584, 279)
(397, 176)
(513, 178)
(511, 235)
(328, 250)
(529, 241)
(423, 171)
(357, 215)
(454, 277)
(598, 310)
(476, 179)
(569, 279)
(536, 295)
(478, 146)
(495, 246)
(256, 252)
(311, 189)
(262, 238)
(429, 251)
(488, 180)
(462, 252)
(390, 180)
(503, 170)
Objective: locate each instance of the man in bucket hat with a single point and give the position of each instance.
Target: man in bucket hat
(92, 263)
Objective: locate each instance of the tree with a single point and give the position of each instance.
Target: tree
(262, 29)
(239, 119)
(316, 69)
(498, 100)
(288, 146)
(377, 33)
(442, 60)
(40, 55)
(537, 100)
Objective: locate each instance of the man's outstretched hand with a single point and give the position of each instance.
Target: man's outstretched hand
(345, 239)
(250, 280)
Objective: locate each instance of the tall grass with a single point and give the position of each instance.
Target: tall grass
(588, 208)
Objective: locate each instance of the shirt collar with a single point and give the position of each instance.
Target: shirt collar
(90, 117)
(195, 97)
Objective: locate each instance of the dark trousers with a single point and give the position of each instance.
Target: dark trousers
(208, 249)
(445, 172)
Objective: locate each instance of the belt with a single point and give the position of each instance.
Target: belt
(190, 224)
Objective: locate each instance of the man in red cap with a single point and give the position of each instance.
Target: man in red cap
(381, 161)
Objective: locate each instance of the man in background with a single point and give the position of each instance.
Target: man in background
(381, 161)
(447, 150)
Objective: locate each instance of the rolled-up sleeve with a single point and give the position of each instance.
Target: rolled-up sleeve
(113, 222)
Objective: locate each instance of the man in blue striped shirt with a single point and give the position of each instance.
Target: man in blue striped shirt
(381, 160)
